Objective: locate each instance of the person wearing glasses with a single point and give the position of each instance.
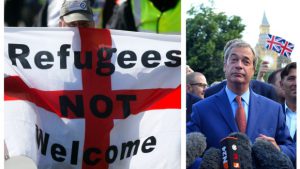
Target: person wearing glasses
(196, 84)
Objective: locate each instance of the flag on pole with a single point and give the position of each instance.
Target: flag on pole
(279, 45)
(90, 98)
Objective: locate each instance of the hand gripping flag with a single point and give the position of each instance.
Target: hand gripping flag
(91, 98)
(279, 45)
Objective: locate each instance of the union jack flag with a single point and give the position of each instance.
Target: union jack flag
(279, 45)
(286, 49)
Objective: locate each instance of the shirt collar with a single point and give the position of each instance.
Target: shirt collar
(231, 95)
(287, 109)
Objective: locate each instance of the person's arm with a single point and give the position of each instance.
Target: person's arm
(263, 68)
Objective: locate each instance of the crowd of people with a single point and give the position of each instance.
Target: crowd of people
(261, 110)
(131, 15)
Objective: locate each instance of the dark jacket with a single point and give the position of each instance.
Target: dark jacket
(190, 100)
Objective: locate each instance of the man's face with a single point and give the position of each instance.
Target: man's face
(289, 84)
(81, 24)
(239, 67)
(198, 86)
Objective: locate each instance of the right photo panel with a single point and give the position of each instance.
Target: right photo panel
(241, 84)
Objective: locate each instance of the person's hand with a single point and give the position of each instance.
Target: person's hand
(269, 139)
(263, 68)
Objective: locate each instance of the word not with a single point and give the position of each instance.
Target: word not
(78, 108)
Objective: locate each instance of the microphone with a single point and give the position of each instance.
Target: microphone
(267, 156)
(195, 146)
(212, 159)
(244, 150)
(236, 151)
(230, 156)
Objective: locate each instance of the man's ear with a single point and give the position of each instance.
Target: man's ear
(224, 67)
(188, 88)
(281, 84)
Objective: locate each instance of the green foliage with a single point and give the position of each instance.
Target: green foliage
(207, 33)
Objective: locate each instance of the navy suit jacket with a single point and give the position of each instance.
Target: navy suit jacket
(213, 117)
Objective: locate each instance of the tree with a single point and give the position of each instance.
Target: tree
(206, 35)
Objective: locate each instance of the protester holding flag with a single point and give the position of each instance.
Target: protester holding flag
(76, 101)
(76, 13)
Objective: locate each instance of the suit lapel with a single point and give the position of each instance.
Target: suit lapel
(225, 109)
(253, 114)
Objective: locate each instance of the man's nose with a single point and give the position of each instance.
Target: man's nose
(239, 64)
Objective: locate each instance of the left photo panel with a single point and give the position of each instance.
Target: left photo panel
(92, 84)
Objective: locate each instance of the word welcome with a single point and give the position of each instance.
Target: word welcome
(58, 152)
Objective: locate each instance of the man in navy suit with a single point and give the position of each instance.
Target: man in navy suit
(215, 116)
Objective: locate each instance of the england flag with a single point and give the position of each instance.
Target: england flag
(90, 98)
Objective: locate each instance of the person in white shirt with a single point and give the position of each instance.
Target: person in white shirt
(288, 84)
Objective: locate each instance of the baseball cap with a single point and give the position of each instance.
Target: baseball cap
(76, 10)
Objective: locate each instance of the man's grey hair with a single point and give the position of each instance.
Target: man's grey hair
(238, 43)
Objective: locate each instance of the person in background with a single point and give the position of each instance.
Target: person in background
(76, 13)
(288, 84)
(274, 79)
(190, 98)
(156, 16)
(196, 84)
(236, 108)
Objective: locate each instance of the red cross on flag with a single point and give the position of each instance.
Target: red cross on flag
(92, 98)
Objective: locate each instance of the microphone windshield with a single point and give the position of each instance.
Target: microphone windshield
(195, 146)
(230, 155)
(212, 159)
(267, 156)
(244, 149)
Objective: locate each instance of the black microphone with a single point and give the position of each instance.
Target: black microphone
(212, 159)
(267, 156)
(195, 146)
(244, 150)
(230, 156)
(236, 151)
